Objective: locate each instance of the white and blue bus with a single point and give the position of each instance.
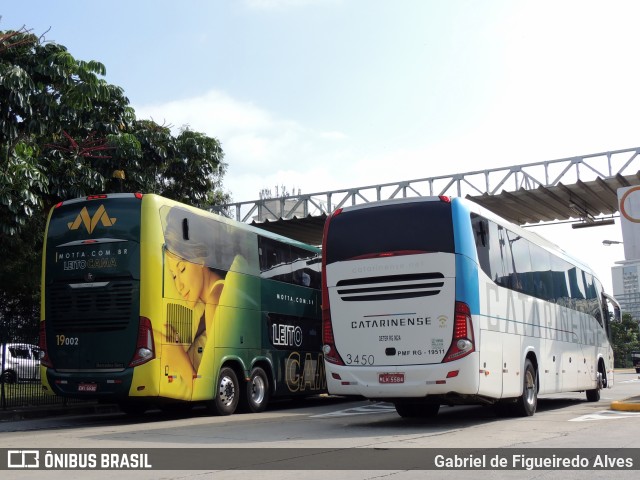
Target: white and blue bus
(437, 301)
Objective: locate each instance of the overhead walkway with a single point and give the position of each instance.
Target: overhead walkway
(581, 188)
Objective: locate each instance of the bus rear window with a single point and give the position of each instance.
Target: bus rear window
(410, 227)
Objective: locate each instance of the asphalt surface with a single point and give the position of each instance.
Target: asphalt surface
(631, 404)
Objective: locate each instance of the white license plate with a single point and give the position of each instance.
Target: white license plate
(88, 387)
(391, 377)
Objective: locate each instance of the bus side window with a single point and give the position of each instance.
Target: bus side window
(561, 286)
(304, 270)
(542, 281)
(500, 257)
(275, 260)
(606, 315)
(481, 234)
(592, 304)
(185, 229)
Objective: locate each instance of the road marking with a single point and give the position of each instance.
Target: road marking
(373, 408)
(605, 415)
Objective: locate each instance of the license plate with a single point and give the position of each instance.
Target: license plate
(88, 387)
(391, 377)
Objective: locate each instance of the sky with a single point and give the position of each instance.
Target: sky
(319, 95)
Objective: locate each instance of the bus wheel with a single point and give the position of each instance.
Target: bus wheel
(227, 393)
(8, 376)
(594, 395)
(256, 394)
(417, 410)
(527, 403)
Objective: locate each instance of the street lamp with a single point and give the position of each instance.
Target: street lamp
(611, 242)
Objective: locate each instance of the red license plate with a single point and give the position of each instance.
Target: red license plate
(88, 387)
(391, 377)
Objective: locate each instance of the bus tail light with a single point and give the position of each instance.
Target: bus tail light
(45, 361)
(462, 343)
(145, 347)
(331, 355)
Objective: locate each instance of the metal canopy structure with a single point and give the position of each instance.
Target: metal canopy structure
(582, 189)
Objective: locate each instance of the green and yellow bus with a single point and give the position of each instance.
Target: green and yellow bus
(146, 301)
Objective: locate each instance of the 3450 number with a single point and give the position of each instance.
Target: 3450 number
(359, 359)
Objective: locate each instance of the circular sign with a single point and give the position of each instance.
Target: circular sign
(623, 210)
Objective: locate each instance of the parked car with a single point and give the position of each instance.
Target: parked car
(635, 359)
(19, 361)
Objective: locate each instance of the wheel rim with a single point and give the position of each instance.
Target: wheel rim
(530, 386)
(227, 391)
(258, 389)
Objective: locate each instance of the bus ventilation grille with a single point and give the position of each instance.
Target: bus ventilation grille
(100, 309)
(390, 287)
(179, 323)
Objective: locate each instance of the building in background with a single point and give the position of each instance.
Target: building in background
(626, 286)
(626, 274)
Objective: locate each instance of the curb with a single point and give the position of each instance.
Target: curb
(627, 405)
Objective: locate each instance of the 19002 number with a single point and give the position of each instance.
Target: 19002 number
(359, 359)
(64, 340)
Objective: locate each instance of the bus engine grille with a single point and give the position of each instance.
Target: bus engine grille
(390, 287)
(104, 308)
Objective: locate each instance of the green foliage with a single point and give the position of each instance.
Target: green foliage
(187, 168)
(49, 94)
(22, 182)
(65, 133)
(20, 283)
(626, 338)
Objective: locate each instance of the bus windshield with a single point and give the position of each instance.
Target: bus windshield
(98, 238)
(415, 227)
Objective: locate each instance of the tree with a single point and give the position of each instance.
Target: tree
(625, 339)
(65, 133)
(49, 95)
(187, 168)
(20, 283)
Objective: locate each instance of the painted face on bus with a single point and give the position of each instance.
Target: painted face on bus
(188, 278)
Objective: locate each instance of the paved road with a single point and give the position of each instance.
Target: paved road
(561, 421)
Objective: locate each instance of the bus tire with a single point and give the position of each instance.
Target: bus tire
(227, 392)
(594, 394)
(417, 410)
(9, 376)
(528, 401)
(256, 392)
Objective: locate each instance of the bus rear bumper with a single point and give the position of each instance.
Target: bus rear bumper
(91, 385)
(415, 381)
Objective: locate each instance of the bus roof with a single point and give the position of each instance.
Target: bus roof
(480, 210)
